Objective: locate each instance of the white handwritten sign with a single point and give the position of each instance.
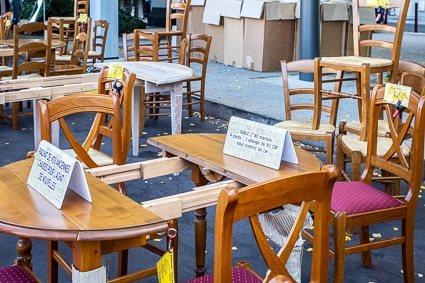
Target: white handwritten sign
(53, 171)
(259, 143)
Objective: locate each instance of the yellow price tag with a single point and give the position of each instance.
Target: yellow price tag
(7, 23)
(82, 18)
(116, 71)
(165, 267)
(395, 93)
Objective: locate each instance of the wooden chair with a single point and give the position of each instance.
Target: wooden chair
(18, 273)
(5, 25)
(361, 204)
(176, 12)
(100, 33)
(357, 63)
(352, 150)
(27, 68)
(79, 54)
(197, 58)
(308, 104)
(236, 204)
(146, 46)
(128, 46)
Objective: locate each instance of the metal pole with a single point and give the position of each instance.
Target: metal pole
(416, 17)
(309, 32)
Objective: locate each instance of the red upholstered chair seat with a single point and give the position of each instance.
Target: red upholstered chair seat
(357, 197)
(239, 275)
(16, 274)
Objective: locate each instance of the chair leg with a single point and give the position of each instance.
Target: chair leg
(52, 265)
(339, 246)
(1, 113)
(329, 148)
(122, 263)
(15, 115)
(407, 249)
(364, 239)
(356, 162)
(340, 160)
(202, 104)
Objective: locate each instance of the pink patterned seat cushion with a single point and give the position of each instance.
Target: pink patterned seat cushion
(239, 275)
(358, 197)
(16, 274)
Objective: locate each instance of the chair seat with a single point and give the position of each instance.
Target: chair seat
(383, 128)
(354, 144)
(358, 61)
(239, 275)
(305, 127)
(357, 197)
(94, 53)
(101, 159)
(16, 274)
(62, 58)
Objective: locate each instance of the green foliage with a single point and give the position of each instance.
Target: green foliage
(127, 23)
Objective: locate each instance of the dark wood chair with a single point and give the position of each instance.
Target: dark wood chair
(236, 204)
(17, 273)
(362, 203)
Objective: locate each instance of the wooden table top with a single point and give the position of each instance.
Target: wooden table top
(155, 72)
(111, 215)
(206, 150)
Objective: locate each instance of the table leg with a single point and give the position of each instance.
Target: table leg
(135, 119)
(200, 226)
(176, 108)
(24, 246)
(86, 255)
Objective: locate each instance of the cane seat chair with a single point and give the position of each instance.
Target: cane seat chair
(27, 68)
(5, 26)
(100, 33)
(352, 150)
(80, 51)
(197, 59)
(247, 203)
(355, 64)
(301, 102)
(176, 13)
(362, 203)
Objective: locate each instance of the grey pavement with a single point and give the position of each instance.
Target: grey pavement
(229, 91)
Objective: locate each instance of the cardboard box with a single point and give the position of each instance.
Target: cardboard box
(268, 34)
(233, 33)
(333, 24)
(215, 27)
(195, 24)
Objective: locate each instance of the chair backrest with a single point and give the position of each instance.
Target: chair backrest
(40, 50)
(148, 50)
(302, 99)
(81, 46)
(177, 12)
(398, 30)
(128, 46)
(236, 204)
(81, 7)
(198, 51)
(394, 161)
(101, 106)
(100, 33)
(106, 86)
(412, 74)
(5, 25)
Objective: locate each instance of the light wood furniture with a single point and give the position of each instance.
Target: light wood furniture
(363, 66)
(93, 235)
(155, 77)
(128, 46)
(301, 105)
(234, 205)
(361, 204)
(100, 33)
(177, 13)
(203, 155)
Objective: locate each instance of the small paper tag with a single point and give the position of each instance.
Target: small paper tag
(7, 23)
(53, 171)
(395, 93)
(165, 268)
(82, 18)
(376, 3)
(259, 143)
(116, 71)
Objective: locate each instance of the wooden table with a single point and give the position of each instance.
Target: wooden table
(156, 77)
(6, 46)
(205, 151)
(111, 220)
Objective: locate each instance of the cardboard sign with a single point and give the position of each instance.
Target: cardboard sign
(53, 171)
(397, 94)
(116, 71)
(259, 143)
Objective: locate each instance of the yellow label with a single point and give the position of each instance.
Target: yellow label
(116, 71)
(166, 268)
(376, 3)
(82, 18)
(394, 93)
(7, 23)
